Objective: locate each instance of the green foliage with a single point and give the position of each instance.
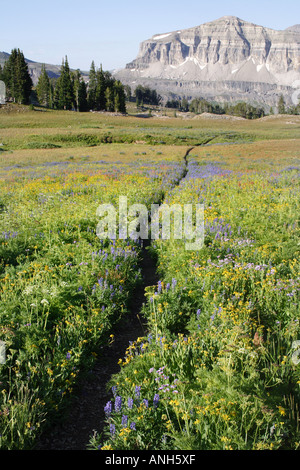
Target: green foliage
(221, 324)
(104, 93)
(80, 92)
(281, 105)
(44, 89)
(145, 95)
(16, 77)
(200, 105)
(64, 93)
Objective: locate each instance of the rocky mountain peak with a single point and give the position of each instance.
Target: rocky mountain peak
(228, 57)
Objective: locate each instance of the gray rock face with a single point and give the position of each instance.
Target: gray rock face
(226, 58)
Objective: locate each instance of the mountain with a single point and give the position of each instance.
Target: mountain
(224, 60)
(295, 28)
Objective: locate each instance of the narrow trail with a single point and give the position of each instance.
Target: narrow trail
(86, 413)
(201, 144)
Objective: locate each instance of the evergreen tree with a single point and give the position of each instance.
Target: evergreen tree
(51, 93)
(100, 103)
(76, 76)
(64, 95)
(92, 87)
(103, 92)
(82, 102)
(281, 105)
(43, 88)
(109, 99)
(120, 97)
(17, 78)
(147, 96)
(127, 90)
(25, 83)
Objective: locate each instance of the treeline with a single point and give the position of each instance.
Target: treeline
(145, 95)
(283, 109)
(104, 92)
(200, 105)
(69, 91)
(241, 109)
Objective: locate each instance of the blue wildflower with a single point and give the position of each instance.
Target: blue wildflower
(108, 408)
(155, 400)
(130, 403)
(124, 420)
(112, 429)
(118, 403)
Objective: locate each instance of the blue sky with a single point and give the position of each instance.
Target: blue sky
(110, 31)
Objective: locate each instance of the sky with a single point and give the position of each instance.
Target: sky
(109, 32)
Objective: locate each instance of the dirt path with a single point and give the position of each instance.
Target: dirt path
(87, 410)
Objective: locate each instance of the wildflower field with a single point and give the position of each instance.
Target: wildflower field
(218, 367)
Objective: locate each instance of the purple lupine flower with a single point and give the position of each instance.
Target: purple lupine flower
(155, 400)
(124, 420)
(112, 429)
(118, 403)
(130, 403)
(108, 408)
(137, 391)
(174, 282)
(146, 403)
(132, 426)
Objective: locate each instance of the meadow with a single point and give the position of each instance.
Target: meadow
(218, 367)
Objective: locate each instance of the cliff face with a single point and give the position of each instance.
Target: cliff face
(224, 56)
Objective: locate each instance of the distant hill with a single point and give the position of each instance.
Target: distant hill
(223, 60)
(295, 28)
(3, 57)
